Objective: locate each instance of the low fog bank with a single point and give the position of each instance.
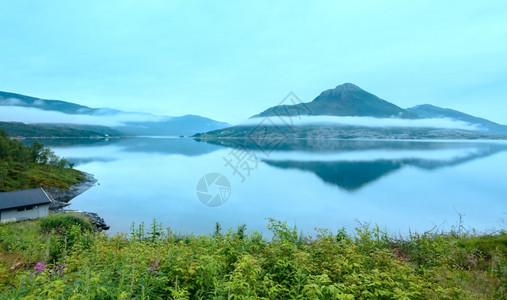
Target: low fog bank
(33, 115)
(362, 121)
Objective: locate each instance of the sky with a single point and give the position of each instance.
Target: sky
(229, 60)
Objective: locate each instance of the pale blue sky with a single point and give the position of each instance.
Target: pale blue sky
(230, 60)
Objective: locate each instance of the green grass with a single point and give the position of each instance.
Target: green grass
(153, 263)
(34, 175)
(485, 244)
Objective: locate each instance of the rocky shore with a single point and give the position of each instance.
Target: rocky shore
(61, 198)
(94, 218)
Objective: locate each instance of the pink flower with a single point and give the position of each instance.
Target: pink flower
(39, 267)
(154, 266)
(59, 269)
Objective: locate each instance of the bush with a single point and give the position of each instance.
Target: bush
(62, 223)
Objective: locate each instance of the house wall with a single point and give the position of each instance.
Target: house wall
(12, 215)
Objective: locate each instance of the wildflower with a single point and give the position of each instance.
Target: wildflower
(154, 266)
(39, 267)
(59, 269)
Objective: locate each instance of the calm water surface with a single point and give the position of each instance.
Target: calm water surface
(399, 185)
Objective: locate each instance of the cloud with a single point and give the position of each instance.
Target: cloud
(364, 122)
(34, 115)
(13, 101)
(38, 102)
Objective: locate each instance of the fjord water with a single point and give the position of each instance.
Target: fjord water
(400, 185)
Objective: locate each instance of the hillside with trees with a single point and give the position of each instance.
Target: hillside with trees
(18, 129)
(24, 167)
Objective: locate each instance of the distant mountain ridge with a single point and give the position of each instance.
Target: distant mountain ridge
(18, 129)
(349, 100)
(183, 125)
(12, 99)
(155, 125)
(431, 111)
(344, 100)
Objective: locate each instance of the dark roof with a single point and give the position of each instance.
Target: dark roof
(23, 198)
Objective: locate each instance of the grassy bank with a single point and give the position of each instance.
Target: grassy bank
(21, 177)
(59, 257)
(23, 167)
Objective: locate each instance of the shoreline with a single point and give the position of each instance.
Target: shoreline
(66, 137)
(62, 197)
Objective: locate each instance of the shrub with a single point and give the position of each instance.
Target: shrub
(62, 223)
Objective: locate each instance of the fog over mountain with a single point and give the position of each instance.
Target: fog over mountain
(36, 115)
(348, 111)
(12, 99)
(435, 122)
(346, 107)
(483, 125)
(21, 108)
(353, 104)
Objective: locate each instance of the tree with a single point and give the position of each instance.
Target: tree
(36, 150)
(44, 156)
(4, 172)
(62, 163)
(4, 148)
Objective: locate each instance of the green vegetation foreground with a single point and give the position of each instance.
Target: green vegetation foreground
(60, 257)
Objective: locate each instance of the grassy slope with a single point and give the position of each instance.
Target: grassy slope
(23, 167)
(36, 175)
(236, 265)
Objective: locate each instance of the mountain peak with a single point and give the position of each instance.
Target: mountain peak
(345, 100)
(424, 106)
(341, 92)
(348, 86)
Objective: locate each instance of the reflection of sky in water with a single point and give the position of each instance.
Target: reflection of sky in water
(140, 186)
(98, 151)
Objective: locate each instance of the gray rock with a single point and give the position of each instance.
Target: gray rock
(61, 197)
(96, 221)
